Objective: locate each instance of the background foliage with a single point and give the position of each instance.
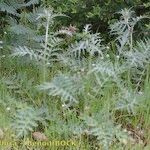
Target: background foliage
(99, 13)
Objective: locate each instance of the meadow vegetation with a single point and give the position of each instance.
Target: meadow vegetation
(63, 79)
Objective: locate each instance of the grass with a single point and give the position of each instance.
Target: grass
(59, 128)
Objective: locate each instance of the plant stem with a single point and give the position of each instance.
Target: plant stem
(44, 60)
(131, 49)
(131, 41)
(45, 48)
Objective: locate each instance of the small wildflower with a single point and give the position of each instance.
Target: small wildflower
(88, 93)
(82, 70)
(140, 92)
(107, 55)
(124, 141)
(93, 65)
(141, 132)
(87, 108)
(64, 105)
(118, 56)
(48, 64)
(125, 130)
(5, 32)
(3, 56)
(107, 47)
(8, 108)
(129, 132)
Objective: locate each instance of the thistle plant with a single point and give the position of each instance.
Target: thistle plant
(128, 101)
(124, 28)
(11, 6)
(65, 86)
(102, 127)
(27, 120)
(90, 44)
(140, 56)
(49, 16)
(48, 49)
